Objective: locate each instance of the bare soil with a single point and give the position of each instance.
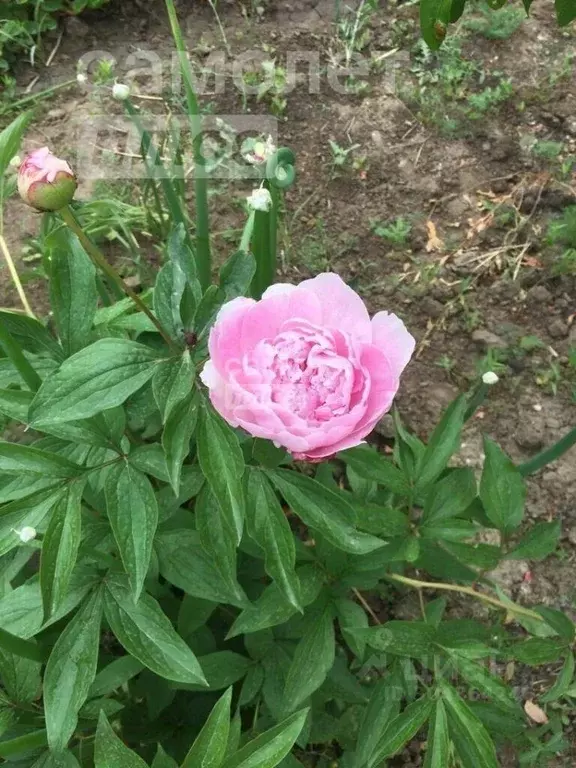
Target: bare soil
(466, 280)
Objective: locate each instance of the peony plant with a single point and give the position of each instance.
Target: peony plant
(201, 548)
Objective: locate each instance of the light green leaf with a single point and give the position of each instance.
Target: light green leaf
(27, 511)
(70, 671)
(471, 739)
(168, 292)
(222, 463)
(20, 676)
(209, 749)
(236, 274)
(382, 708)
(269, 749)
(147, 634)
(502, 488)
(98, 377)
(401, 638)
(538, 542)
(110, 751)
(438, 751)
(133, 514)
(352, 616)
(57, 760)
(10, 139)
(367, 463)
(172, 382)
(60, 547)
(325, 510)
(483, 681)
(176, 437)
(268, 527)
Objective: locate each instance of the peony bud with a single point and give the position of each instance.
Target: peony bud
(260, 152)
(260, 200)
(26, 534)
(45, 182)
(120, 91)
(490, 378)
(81, 78)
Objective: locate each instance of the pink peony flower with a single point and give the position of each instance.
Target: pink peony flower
(45, 182)
(305, 366)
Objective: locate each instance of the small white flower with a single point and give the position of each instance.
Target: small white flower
(260, 199)
(81, 78)
(16, 161)
(261, 152)
(26, 534)
(490, 378)
(121, 91)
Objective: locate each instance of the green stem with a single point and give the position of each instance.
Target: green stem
(19, 647)
(261, 250)
(273, 241)
(549, 454)
(100, 261)
(16, 356)
(247, 232)
(203, 257)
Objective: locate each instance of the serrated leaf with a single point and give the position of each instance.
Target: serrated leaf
(471, 739)
(176, 437)
(60, 547)
(110, 751)
(209, 749)
(325, 510)
(172, 382)
(269, 749)
(538, 542)
(133, 514)
(268, 527)
(95, 379)
(70, 671)
(73, 294)
(148, 635)
(443, 443)
(222, 462)
(502, 488)
(438, 750)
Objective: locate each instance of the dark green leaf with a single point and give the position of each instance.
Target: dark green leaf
(402, 729)
(445, 439)
(133, 515)
(70, 671)
(20, 676)
(382, 708)
(110, 751)
(222, 463)
(313, 657)
(483, 556)
(452, 529)
(559, 622)
(168, 293)
(401, 638)
(57, 760)
(269, 749)
(73, 294)
(163, 760)
(177, 435)
(483, 681)
(236, 274)
(450, 496)
(17, 459)
(222, 669)
(208, 308)
(538, 542)
(172, 382)
(471, 739)
(381, 521)
(367, 463)
(502, 489)
(438, 750)
(150, 459)
(458, 7)
(563, 681)
(60, 547)
(209, 749)
(268, 527)
(10, 139)
(31, 335)
(352, 616)
(115, 675)
(325, 510)
(28, 511)
(98, 377)
(147, 634)
(565, 11)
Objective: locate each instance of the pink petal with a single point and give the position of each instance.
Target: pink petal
(341, 306)
(389, 334)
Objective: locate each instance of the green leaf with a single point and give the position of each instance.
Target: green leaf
(31, 335)
(222, 669)
(110, 751)
(20, 676)
(133, 514)
(313, 657)
(73, 294)
(115, 675)
(60, 548)
(527, 5)
(438, 750)
(184, 563)
(14, 404)
(180, 254)
(382, 708)
(17, 459)
(218, 539)
(236, 274)
(539, 650)
(70, 671)
(168, 293)
(402, 729)
(150, 459)
(172, 382)
(208, 308)
(176, 437)
(434, 16)
(502, 489)
(147, 634)
(450, 496)
(163, 760)
(352, 616)
(458, 7)
(325, 510)
(269, 749)
(401, 638)
(371, 465)
(222, 463)
(559, 622)
(57, 760)
(27, 511)
(444, 441)
(10, 139)
(538, 542)
(268, 527)
(98, 377)
(483, 556)
(563, 681)
(381, 521)
(565, 12)
(23, 744)
(209, 749)
(471, 739)
(483, 681)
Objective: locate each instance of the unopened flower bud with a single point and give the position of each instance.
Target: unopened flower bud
(16, 161)
(260, 152)
(260, 199)
(81, 78)
(26, 534)
(490, 378)
(121, 91)
(45, 182)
